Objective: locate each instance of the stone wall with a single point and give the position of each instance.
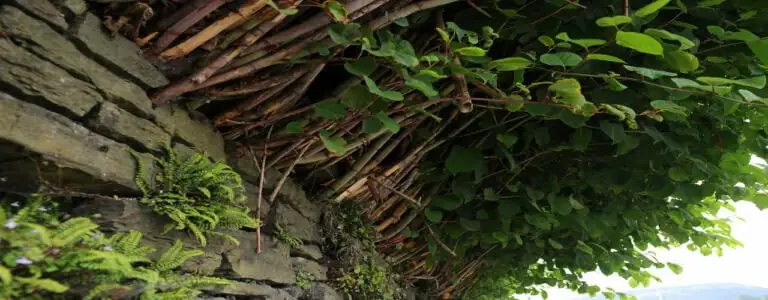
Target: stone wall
(72, 109)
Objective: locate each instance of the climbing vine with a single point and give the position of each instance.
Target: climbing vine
(499, 147)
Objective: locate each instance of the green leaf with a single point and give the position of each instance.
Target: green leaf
(403, 22)
(333, 144)
(584, 247)
(433, 215)
(750, 96)
(362, 67)
(470, 225)
(639, 42)
(481, 215)
(760, 49)
(510, 64)
(613, 130)
(490, 195)
(651, 8)
(678, 174)
(709, 3)
(685, 43)
(682, 61)
(614, 84)
(560, 205)
(470, 51)
(393, 126)
(584, 43)
(507, 140)
(345, 34)
(538, 220)
(425, 87)
(205, 191)
(613, 21)
(604, 57)
(356, 97)
(669, 106)
(581, 138)
(330, 110)
(5, 275)
(563, 59)
(684, 83)
(462, 160)
(757, 82)
(391, 95)
(371, 126)
(628, 144)
(447, 202)
(575, 203)
(760, 200)
(295, 127)
(537, 109)
(677, 269)
(541, 135)
(288, 11)
(44, 284)
(650, 73)
(555, 244)
(337, 10)
(546, 41)
(568, 92)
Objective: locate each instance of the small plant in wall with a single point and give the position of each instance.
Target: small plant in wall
(44, 257)
(198, 195)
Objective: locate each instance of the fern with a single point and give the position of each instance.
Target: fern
(198, 195)
(73, 230)
(174, 257)
(141, 174)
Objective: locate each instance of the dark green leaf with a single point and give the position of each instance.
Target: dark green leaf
(685, 43)
(362, 67)
(294, 127)
(391, 95)
(433, 215)
(393, 126)
(650, 73)
(333, 144)
(330, 110)
(669, 106)
(470, 225)
(356, 96)
(371, 126)
(490, 195)
(555, 245)
(507, 140)
(757, 82)
(510, 64)
(447, 202)
(425, 87)
(462, 160)
(581, 138)
(541, 136)
(613, 130)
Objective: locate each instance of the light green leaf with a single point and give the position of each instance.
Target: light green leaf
(677, 269)
(5, 275)
(356, 96)
(760, 200)
(337, 10)
(709, 3)
(295, 127)
(362, 67)
(584, 247)
(604, 57)
(678, 174)
(750, 96)
(613, 130)
(546, 41)
(462, 160)
(403, 22)
(288, 11)
(684, 83)
(391, 95)
(650, 73)
(584, 43)
(490, 195)
(393, 126)
(333, 144)
(614, 84)
(581, 138)
(425, 87)
(757, 82)
(555, 244)
(506, 139)
(613, 21)
(330, 110)
(568, 91)
(682, 61)
(669, 106)
(651, 8)
(685, 43)
(444, 35)
(205, 191)
(639, 42)
(563, 59)
(44, 284)
(575, 203)
(471, 51)
(741, 35)
(344, 33)
(510, 64)
(433, 215)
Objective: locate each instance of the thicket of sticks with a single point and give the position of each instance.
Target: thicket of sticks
(248, 75)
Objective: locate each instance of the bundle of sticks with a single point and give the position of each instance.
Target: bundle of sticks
(248, 57)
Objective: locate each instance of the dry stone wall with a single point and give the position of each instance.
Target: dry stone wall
(72, 109)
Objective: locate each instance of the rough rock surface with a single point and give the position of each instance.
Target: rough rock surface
(196, 133)
(321, 291)
(297, 225)
(311, 268)
(66, 143)
(119, 53)
(307, 251)
(22, 73)
(121, 125)
(43, 10)
(42, 40)
(273, 264)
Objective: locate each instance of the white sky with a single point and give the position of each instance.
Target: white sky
(744, 265)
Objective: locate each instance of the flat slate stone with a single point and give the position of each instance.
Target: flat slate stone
(66, 143)
(119, 52)
(46, 42)
(272, 264)
(45, 10)
(294, 224)
(314, 270)
(120, 125)
(44, 83)
(307, 251)
(200, 135)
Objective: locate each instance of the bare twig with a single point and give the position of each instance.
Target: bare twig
(434, 236)
(285, 175)
(185, 23)
(399, 193)
(261, 188)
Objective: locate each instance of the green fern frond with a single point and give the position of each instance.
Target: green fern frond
(226, 236)
(103, 288)
(175, 256)
(130, 244)
(73, 230)
(43, 284)
(141, 174)
(198, 233)
(194, 282)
